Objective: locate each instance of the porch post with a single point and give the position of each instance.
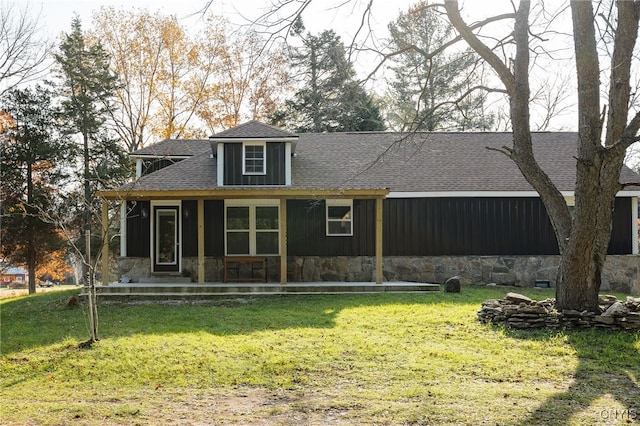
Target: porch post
(123, 228)
(105, 242)
(200, 241)
(379, 277)
(283, 241)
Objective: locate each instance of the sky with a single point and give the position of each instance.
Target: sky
(322, 14)
(56, 16)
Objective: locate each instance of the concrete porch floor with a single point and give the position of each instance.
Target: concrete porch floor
(193, 291)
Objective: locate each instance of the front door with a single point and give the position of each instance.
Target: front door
(166, 253)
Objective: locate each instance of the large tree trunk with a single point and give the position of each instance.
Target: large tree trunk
(598, 164)
(583, 238)
(580, 271)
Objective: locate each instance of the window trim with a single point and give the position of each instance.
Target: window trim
(251, 204)
(262, 144)
(338, 202)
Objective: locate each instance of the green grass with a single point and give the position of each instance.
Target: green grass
(344, 359)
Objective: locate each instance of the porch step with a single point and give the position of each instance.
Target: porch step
(178, 291)
(165, 279)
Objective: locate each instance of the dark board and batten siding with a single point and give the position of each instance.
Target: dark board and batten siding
(621, 234)
(412, 227)
(467, 226)
(307, 232)
(275, 157)
(138, 229)
(150, 166)
(441, 226)
(482, 226)
(213, 228)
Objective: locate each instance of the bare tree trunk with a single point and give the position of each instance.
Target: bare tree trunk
(86, 268)
(31, 259)
(31, 241)
(598, 165)
(584, 238)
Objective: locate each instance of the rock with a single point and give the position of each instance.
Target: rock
(604, 319)
(452, 285)
(617, 309)
(607, 299)
(491, 284)
(518, 298)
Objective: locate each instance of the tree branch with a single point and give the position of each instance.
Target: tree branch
(505, 74)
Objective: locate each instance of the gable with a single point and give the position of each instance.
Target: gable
(254, 129)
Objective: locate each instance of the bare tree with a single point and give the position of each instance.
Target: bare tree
(249, 82)
(23, 51)
(604, 132)
(553, 99)
(604, 136)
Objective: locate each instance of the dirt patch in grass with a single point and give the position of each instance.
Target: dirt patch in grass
(252, 406)
(196, 407)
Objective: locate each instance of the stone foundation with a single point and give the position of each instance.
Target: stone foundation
(621, 273)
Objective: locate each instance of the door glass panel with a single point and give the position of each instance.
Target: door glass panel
(166, 237)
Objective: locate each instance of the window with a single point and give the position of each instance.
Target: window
(339, 217)
(254, 158)
(252, 228)
(237, 230)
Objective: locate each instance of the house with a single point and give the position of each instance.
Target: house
(256, 202)
(13, 274)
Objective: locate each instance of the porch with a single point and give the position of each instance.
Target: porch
(193, 292)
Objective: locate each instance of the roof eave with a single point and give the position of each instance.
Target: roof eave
(287, 193)
(253, 139)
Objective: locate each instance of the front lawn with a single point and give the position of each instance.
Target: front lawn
(327, 360)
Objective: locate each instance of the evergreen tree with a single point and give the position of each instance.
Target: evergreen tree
(87, 87)
(330, 99)
(33, 156)
(430, 90)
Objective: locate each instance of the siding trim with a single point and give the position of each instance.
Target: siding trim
(220, 164)
(487, 194)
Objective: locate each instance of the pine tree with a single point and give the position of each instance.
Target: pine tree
(87, 87)
(330, 99)
(34, 156)
(429, 87)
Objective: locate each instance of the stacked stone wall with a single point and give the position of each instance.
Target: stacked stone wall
(520, 312)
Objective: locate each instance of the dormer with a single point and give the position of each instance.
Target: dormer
(165, 153)
(253, 154)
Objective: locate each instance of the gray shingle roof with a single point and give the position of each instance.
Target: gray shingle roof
(254, 129)
(174, 147)
(424, 162)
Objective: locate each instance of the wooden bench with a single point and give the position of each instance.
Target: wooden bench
(255, 264)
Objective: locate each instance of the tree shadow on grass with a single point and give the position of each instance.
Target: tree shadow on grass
(608, 365)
